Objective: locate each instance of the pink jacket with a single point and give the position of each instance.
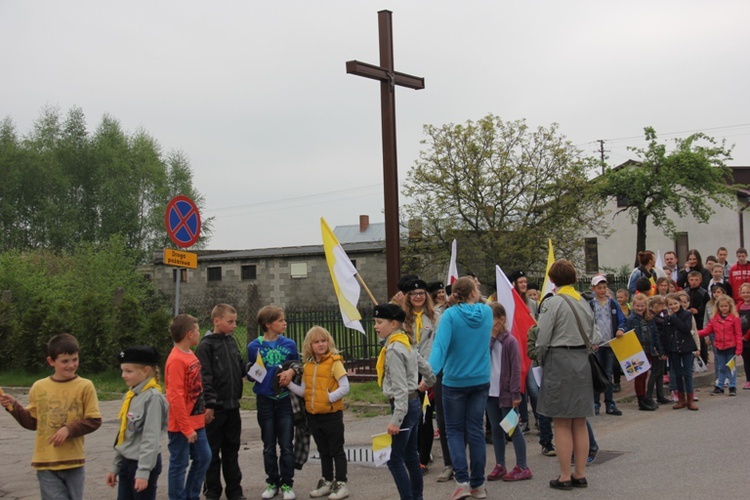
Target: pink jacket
(727, 332)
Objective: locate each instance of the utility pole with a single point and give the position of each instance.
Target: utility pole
(601, 153)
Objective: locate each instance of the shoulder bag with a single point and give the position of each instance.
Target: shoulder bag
(598, 375)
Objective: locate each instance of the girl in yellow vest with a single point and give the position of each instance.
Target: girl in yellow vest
(324, 384)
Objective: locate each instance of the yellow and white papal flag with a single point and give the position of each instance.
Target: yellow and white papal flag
(343, 274)
(629, 353)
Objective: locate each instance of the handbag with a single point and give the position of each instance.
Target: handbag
(598, 375)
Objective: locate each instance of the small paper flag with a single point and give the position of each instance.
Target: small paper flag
(258, 370)
(732, 364)
(381, 448)
(425, 404)
(510, 422)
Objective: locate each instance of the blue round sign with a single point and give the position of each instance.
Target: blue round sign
(183, 221)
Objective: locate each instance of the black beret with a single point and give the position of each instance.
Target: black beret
(389, 311)
(415, 285)
(140, 355)
(403, 280)
(512, 277)
(435, 286)
(533, 286)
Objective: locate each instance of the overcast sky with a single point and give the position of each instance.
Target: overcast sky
(256, 93)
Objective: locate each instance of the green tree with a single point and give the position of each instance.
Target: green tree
(502, 189)
(61, 185)
(685, 180)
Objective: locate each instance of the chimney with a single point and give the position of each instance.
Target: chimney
(364, 223)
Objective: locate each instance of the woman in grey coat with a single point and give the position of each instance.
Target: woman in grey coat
(565, 392)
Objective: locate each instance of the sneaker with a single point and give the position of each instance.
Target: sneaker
(497, 473)
(287, 492)
(616, 388)
(517, 474)
(726, 384)
(596, 409)
(339, 491)
(425, 469)
(480, 492)
(665, 380)
(323, 489)
(463, 490)
(732, 391)
(524, 427)
(593, 452)
(612, 410)
(746, 387)
(446, 475)
(675, 397)
(271, 491)
(549, 450)
(717, 390)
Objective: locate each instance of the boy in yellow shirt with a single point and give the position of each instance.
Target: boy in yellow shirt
(62, 409)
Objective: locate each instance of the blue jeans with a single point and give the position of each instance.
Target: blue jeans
(404, 461)
(722, 357)
(606, 357)
(180, 453)
(126, 481)
(683, 369)
(276, 421)
(464, 424)
(545, 423)
(497, 414)
(61, 484)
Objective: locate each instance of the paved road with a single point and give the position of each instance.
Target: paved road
(661, 454)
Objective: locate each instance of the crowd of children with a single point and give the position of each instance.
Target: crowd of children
(675, 323)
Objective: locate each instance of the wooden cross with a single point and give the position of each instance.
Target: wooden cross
(388, 81)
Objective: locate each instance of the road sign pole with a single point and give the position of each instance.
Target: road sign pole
(177, 292)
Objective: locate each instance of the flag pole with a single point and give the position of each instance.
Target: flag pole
(362, 282)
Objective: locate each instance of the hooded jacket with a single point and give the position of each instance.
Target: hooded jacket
(456, 350)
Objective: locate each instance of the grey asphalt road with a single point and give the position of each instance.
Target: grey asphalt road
(662, 454)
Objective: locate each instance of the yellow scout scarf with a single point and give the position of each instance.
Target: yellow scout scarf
(570, 291)
(418, 325)
(123, 415)
(380, 366)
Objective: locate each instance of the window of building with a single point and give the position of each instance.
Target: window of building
(682, 247)
(249, 272)
(183, 275)
(298, 269)
(591, 255)
(214, 273)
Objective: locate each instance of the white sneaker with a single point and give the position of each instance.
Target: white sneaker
(340, 491)
(463, 490)
(446, 475)
(271, 491)
(480, 492)
(287, 492)
(323, 489)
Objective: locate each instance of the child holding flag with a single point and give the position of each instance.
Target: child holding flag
(727, 330)
(504, 397)
(642, 323)
(398, 367)
(143, 424)
(275, 417)
(324, 384)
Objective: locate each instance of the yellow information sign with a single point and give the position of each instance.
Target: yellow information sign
(180, 258)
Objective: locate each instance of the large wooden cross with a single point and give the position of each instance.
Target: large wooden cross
(388, 81)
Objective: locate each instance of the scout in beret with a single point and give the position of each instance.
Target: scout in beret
(398, 367)
(143, 424)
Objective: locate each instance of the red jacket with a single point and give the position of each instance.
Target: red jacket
(738, 275)
(727, 332)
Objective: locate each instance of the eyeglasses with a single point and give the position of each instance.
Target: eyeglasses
(417, 294)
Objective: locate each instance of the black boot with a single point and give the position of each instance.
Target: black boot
(643, 404)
